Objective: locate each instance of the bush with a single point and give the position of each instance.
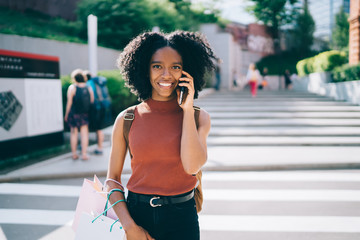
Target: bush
(346, 72)
(277, 64)
(309, 67)
(323, 62)
(121, 97)
(301, 67)
(327, 61)
(35, 24)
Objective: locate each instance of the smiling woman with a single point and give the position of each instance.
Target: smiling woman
(166, 143)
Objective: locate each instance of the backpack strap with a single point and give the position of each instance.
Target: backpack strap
(99, 92)
(196, 115)
(128, 120)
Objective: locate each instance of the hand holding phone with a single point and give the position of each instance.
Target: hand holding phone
(184, 90)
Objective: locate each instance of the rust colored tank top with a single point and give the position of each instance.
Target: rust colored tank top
(154, 141)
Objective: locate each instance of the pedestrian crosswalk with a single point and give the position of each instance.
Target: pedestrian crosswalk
(271, 205)
(237, 205)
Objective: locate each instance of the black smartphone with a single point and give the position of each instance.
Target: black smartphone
(182, 91)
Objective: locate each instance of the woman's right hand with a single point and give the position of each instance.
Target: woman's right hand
(138, 233)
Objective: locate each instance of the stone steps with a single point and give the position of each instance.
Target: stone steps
(297, 114)
(280, 119)
(285, 131)
(284, 141)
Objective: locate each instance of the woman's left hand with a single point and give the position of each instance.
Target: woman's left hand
(187, 81)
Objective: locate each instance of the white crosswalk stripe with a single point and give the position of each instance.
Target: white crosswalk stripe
(280, 223)
(270, 218)
(35, 216)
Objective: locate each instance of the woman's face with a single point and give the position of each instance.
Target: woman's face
(165, 71)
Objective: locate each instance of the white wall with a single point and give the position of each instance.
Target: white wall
(72, 55)
(319, 83)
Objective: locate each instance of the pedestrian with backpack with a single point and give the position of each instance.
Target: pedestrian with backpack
(79, 99)
(100, 113)
(166, 143)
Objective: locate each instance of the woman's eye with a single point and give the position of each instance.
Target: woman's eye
(177, 67)
(156, 66)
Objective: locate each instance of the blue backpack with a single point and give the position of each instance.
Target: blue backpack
(101, 114)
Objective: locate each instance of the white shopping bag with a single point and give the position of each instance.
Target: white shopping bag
(91, 199)
(102, 228)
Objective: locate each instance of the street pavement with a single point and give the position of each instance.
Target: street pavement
(278, 130)
(288, 133)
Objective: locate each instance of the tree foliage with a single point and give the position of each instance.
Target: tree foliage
(120, 21)
(340, 35)
(274, 14)
(304, 30)
(117, 20)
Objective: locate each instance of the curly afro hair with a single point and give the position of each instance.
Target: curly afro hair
(134, 61)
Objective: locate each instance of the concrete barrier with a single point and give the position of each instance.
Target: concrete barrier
(319, 83)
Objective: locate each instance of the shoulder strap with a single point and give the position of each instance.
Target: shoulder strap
(196, 115)
(98, 92)
(128, 120)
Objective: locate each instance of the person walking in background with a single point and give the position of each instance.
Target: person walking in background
(265, 81)
(100, 113)
(253, 77)
(79, 99)
(234, 77)
(217, 75)
(167, 147)
(287, 77)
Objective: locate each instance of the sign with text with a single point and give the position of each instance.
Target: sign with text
(30, 95)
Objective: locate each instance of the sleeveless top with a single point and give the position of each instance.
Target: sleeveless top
(81, 100)
(154, 141)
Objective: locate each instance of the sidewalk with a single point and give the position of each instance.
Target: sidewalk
(222, 157)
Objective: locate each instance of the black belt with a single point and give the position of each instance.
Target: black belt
(157, 201)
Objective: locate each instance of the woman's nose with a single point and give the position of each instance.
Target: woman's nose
(166, 72)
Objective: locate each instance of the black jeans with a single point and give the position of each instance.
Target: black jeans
(167, 222)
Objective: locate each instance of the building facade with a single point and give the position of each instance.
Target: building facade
(323, 13)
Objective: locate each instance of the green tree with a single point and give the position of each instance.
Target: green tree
(190, 16)
(274, 14)
(304, 30)
(118, 21)
(340, 35)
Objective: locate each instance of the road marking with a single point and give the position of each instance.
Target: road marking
(39, 190)
(64, 232)
(35, 217)
(279, 223)
(2, 235)
(207, 222)
(281, 176)
(282, 195)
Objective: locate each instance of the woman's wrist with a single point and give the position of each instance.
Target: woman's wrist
(189, 111)
(129, 225)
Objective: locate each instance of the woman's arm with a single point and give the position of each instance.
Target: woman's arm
(193, 141)
(193, 149)
(116, 164)
(70, 95)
